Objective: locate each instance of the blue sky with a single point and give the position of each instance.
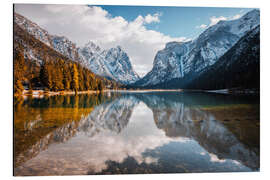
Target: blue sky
(175, 21)
(141, 31)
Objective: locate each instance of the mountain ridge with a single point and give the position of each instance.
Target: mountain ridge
(118, 69)
(237, 68)
(193, 56)
(177, 61)
(37, 65)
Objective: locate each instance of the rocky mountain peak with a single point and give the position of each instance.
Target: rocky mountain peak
(112, 64)
(91, 46)
(178, 59)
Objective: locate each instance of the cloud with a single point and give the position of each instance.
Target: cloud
(149, 18)
(82, 24)
(202, 26)
(214, 20)
(80, 157)
(237, 16)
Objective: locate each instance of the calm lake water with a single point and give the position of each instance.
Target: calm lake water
(120, 133)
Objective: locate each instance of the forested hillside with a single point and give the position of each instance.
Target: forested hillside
(37, 66)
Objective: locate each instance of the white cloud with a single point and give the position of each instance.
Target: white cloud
(140, 135)
(237, 16)
(202, 26)
(82, 24)
(149, 18)
(214, 20)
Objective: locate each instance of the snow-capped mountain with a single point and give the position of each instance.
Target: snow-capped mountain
(112, 64)
(65, 47)
(177, 60)
(238, 67)
(168, 64)
(33, 29)
(59, 43)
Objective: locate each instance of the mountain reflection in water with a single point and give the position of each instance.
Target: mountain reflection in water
(161, 132)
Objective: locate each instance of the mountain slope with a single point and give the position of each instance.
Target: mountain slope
(33, 29)
(184, 59)
(168, 64)
(38, 65)
(237, 68)
(113, 64)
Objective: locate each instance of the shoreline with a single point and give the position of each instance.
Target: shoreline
(228, 91)
(38, 93)
(42, 93)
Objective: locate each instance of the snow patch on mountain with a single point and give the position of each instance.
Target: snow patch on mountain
(65, 47)
(33, 29)
(177, 60)
(113, 63)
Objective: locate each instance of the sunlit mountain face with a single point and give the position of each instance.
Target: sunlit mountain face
(189, 59)
(165, 132)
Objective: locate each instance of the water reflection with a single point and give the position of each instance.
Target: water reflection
(183, 117)
(111, 115)
(41, 122)
(136, 133)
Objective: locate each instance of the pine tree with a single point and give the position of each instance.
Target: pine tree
(81, 78)
(100, 86)
(92, 82)
(18, 87)
(46, 75)
(86, 80)
(75, 79)
(19, 69)
(30, 88)
(66, 77)
(57, 78)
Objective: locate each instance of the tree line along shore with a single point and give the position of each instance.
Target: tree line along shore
(55, 76)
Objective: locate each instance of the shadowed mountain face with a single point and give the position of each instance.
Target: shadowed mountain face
(178, 61)
(239, 67)
(137, 133)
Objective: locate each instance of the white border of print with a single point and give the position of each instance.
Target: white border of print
(6, 150)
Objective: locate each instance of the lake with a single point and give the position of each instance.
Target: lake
(127, 133)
